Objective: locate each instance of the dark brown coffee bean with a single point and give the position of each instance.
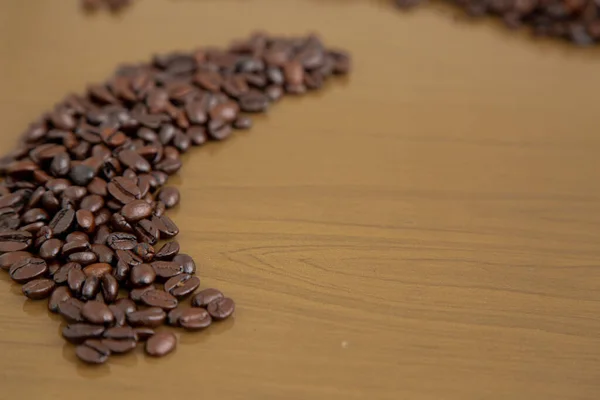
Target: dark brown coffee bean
(126, 305)
(62, 221)
(83, 257)
(136, 293)
(110, 288)
(92, 203)
(227, 111)
(79, 333)
(169, 166)
(119, 223)
(50, 249)
(173, 316)
(85, 221)
(34, 215)
(14, 240)
(102, 217)
(161, 344)
(151, 317)
(102, 234)
(167, 251)
(50, 202)
(97, 313)
(33, 228)
(221, 308)
(165, 226)
(61, 164)
(169, 196)
(75, 280)
(8, 259)
(145, 251)
(9, 219)
(75, 246)
(70, 309)
(274, 92)
(204, 297)
(92, 353)
(82, 174)
(186, 263)
(147, 232)
(242, 122)
(134, 161)
(60, 294)
(293, 73)
(119, 315)
(124, 190)
(254, 101)
(159, 298)
(182, 285)
(38, 289)
(61, 276)
(90, 288)
(121, 333)
(142, 275)
(97, 269)
(128, 257)
(121, 241)
(210, 81)
(219, 129)
(144, 333)
(28, 269)
(136, 210)
(98, 187)
(119, 346)
(195, 319)
(104, 253)
(78, 237)
(42, 235)
(166, 269)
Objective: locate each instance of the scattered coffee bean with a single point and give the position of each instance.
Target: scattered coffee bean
(60, 294)
(38, 289)
(195, 319)
(221, 308)
(28, 269)
(79, 333)
(159, 298)
(92, 352)
(151, 317)
(161, 344)
(204, 297)
(97, 313)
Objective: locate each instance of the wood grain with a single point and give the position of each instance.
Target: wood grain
(426, 229)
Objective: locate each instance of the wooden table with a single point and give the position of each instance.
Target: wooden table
(427, 229)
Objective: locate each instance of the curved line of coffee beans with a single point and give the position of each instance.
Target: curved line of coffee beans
(83, 201)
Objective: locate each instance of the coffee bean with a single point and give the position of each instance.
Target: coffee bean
(136, 293)
(8, 259)
(254, 101)
(173, 316)
(97, 269)
(92, 353)
(145, 251)
(124, 190)
(182, 285)
(151, 317)
(61, 164)
(136, 210)
(119, 346)
(134, 161)
(142, 275)
(121, 333)
(169, 196)
(82, 174)
(144, 333)
(161, 344)
(126, 305)
(62, 221)
(70, 309)
(34, 215)
(128, 257)
(75, 280)
(28, 269)
(204, 297)
(83, 257)
(97, 313)
(110, 288)
(79, 333)
(159, 298)
(221, 308)
(78, 237)
(167, 251)
(61, 276)
(147, 232)
(242, 122)
(14, 240)
(195, 319)
(121, 241)
(90, 288)
(166, 269)
(77, 245)
(60, 294)
(103, 253)
(38, 289)
(50, 249)
(186, 263)
(119, 315)
(165, 226)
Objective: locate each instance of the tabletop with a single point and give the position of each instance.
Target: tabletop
(426, 228)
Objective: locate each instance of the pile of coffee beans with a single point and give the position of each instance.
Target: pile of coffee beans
(574, 20)
(112, 5)
(83, 202)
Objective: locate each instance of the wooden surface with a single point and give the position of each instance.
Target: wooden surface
(427, 229)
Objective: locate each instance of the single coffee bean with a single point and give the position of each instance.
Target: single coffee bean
(38, 289)
(136, 293)
(53, 267)
(119, 346)
(144, 333)
(50, 249)
(92, 203)
(97, 313)
(104, 253)
(110, 288)
(182, 285)
(83, 257)
(34, 215)
(121, 333)
(62, 221)
(96, 187)
(121, 272)
(142, 275)
(151, 317)
(128, 257)
(85, 220)
(61, 276)
(165, 226)
(167, 251)
(145, 251)
(60, 294)
(136, 210)
(119, 223)
(8, 259)
(195, 319)
(161, 344)
(159, 298)
(75, 246)
(242, 122)
(124, 190)
(79, 333)
(166, 269)
(173, 316)
(102, 217)
(90, 288)
(186, 263)
(221, 308)
(14, 240)
(134, 161)
(78, 237)
(28, 269)
(169, 196)
(204, 297)
(60, 165)
(75, 280)
(92, 353)
(147, 232)
(70, 309)
(102, 234)
(42, 235)
(97, 269)
(121, 241)
(119, 315)
(126, 305)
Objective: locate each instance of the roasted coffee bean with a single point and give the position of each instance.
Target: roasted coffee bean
(167, 251)
(83, 257)
(102, 234)
(195, 319)
(186, 263)
(126, 305)
(134, 161)
(121, 241)
(119, 223)
(79, 333)
(124, 190)
(128, 257)
(242, 122)
(61, 164)
(34, 215)
(103, 253)
(119, 346)
(173, 316)
(50, 249)
(28, 269)
(221, 308)
(90, 288)
(61, 276)
(110, 288)
(142, 275)
(97, 269)
(159, 298)
(42, 235)
(50, 202)
(161, 344)
(33, 228)
(78, 237)
(145, 251)
(121, 333)
(77, 245)
(62, 221)
(85, 221)
(9, 219)
(60, 294)
(119, 315)
(143, 333)
(8, 259)
(38, 289)
(169, 196)
(97, 313)
(206, 296)
(147, 232)
(136, 293)
(92, 352)
(136, 210)
(102, 217)
(75, 280)
(254, 101)
(70, 309)
(151, 317)
(166, 269)
(165, 226)
(182, 285)
(121, 272)
(14, 240)
(82, 174)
